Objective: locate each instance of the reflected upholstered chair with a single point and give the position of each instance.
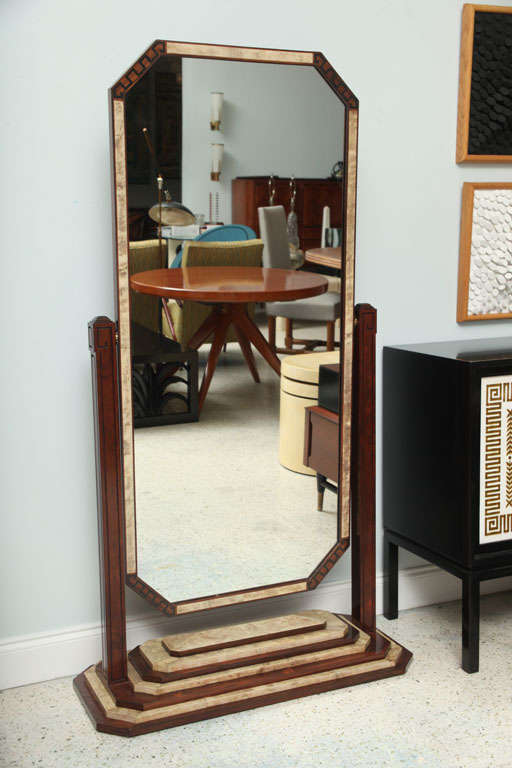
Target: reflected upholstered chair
(188, 317)
(225, 233)
(325, 308)
(145, 309)
(158, 396)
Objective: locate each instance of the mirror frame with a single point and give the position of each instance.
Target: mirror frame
(121, 243)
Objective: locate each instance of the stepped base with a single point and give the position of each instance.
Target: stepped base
(305, 653)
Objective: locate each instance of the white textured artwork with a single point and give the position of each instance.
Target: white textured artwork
(490, 276)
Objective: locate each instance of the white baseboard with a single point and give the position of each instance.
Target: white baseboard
(35, 658)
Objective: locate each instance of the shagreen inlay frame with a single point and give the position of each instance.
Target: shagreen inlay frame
(118, 93)
(485, 261)
(484, 123)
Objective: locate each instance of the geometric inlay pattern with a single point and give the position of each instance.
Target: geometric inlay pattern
(335, 81)
(496, 459)
(139, 69)
(325, 566)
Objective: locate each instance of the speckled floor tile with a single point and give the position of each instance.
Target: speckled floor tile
(436, 716)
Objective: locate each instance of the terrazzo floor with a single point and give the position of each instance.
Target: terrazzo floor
(436, 716)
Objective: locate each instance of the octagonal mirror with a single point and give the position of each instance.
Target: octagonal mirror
(221, 155)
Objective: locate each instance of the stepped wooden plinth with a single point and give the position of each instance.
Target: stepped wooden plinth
(236, 668)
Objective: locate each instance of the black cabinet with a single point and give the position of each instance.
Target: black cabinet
(447, 466)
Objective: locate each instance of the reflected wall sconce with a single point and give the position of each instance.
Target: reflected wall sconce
(217, 154)
(216, 102)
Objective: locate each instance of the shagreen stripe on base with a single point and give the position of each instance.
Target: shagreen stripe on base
(124, 330)
(157, 655)
(157, 689)
(107, 702)
(190, 643)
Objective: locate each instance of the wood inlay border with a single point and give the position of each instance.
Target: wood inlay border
(141, 66)
(343, 92)
(338, 85)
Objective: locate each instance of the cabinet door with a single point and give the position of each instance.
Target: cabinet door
(496, 459)
(282, 193)
(315, 197)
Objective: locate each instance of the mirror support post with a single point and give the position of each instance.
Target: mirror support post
(111, 527)
(363, 467)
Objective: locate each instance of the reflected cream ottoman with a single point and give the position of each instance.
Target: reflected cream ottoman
(299, 389)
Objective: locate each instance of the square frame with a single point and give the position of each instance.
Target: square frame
(466, 241)
(465, 76)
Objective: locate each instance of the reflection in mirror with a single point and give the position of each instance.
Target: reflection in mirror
(223, 499)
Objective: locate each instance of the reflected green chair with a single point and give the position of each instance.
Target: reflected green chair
(142, 256)
(164, 377)
(189, 316)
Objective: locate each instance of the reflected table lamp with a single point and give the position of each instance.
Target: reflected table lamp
(169, 213)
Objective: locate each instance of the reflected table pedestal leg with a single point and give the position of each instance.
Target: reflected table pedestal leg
(217, 323)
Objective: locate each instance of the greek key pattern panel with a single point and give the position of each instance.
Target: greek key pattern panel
(496, 459)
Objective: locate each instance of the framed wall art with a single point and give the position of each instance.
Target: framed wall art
(485, 258)
(484, 123)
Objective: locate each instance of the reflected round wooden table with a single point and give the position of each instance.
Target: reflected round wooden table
(326, 257)
(229, 290)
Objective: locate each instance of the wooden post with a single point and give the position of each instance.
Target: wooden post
(103, 347)
(363, 467)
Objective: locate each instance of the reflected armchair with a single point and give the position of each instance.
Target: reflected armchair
(224, 233)
(188, 317)
(144, 309)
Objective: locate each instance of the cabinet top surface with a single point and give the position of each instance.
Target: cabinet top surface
(316, 179)
(465, 350)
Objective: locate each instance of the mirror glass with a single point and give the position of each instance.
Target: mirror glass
(222, 500)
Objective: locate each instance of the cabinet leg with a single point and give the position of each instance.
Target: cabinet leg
(391, 582)
(470, 623)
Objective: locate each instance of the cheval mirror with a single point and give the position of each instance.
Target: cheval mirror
(232, 167)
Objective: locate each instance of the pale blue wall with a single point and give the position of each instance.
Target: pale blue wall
(59, 59)
(281, 120)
